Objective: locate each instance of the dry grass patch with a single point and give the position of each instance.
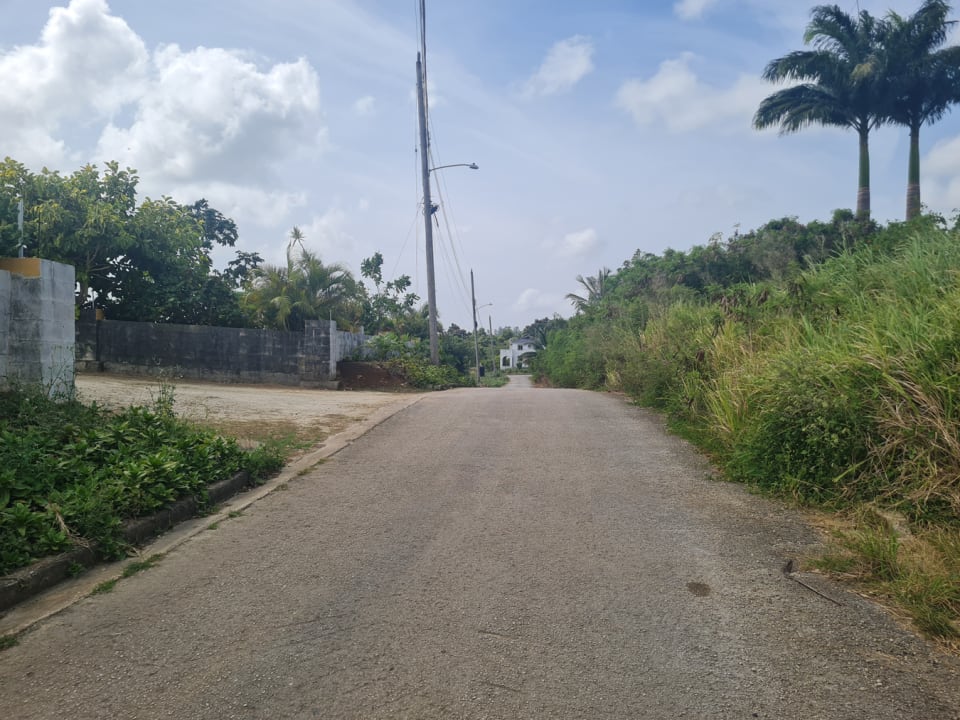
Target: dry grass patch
(914, 571)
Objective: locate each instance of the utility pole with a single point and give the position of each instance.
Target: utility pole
(494, 360)
(427, 213)
(476, 338)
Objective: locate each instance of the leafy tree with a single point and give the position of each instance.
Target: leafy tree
(146, 263)
(85, 220)
(539, 330)
(217, 229)
(457, 349)
(391, 306)
(840, 78)
(922, 80)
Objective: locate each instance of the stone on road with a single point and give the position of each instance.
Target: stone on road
(511, 553)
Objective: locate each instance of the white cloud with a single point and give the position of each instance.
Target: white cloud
(692, 9)
(206, 122)
(328, 235)
(578, 244)
(675, 97)
(86, 66)
(365, 106)
(210, 114)
(565, 65)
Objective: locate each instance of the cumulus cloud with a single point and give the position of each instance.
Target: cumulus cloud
(85, 67)
(209, 113)
(692, 9)
(205, 122)
(565, 65)
(578, 244)
(676, 98)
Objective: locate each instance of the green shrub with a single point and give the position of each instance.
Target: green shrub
(73, 472)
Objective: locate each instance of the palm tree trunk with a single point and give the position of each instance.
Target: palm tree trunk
(913, 174)
(863, 187)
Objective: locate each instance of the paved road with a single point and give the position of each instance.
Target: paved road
(510, 553)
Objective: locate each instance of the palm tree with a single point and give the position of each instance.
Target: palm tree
(839, 78)
(921, 82)
(306, 289)
(595, 287)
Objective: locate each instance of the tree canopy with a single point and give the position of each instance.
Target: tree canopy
(148, 261)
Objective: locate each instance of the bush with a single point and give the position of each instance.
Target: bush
(73, 473)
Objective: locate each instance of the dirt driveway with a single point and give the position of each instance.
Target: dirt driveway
(249, 413)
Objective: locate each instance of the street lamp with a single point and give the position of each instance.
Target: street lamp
(472, 166)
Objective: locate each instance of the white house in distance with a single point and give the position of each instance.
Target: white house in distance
(518, 355)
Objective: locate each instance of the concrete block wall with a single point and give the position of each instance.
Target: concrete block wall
(212, 353)
(37, 324)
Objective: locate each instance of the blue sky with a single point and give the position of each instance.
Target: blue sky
(600, 128)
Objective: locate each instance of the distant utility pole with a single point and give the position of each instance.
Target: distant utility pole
(476, 340)
(427, 213)
(493, 357)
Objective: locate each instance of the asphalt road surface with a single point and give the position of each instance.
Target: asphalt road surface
(508, 553)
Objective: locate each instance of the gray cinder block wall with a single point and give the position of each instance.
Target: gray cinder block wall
(37, 333)
(307, 359)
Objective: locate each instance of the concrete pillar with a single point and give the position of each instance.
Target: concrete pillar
(37, 324)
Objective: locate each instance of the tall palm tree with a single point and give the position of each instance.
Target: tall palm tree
(838, 84)
(595, 287)
(921, 79)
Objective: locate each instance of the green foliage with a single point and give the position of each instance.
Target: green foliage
(831, 384)
(494, 381)
(408, 358)
(390, 306)
(306, 288)
(148, 262)
(138, 566)
(571, 358)
(73, 472)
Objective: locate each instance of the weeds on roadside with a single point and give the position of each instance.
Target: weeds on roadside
(916, 570)
(104, 587)
(140, 565)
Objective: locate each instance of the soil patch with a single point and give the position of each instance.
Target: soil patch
(251, 414)
(370, 376)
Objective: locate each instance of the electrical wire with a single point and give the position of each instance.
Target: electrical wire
(452, 238)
